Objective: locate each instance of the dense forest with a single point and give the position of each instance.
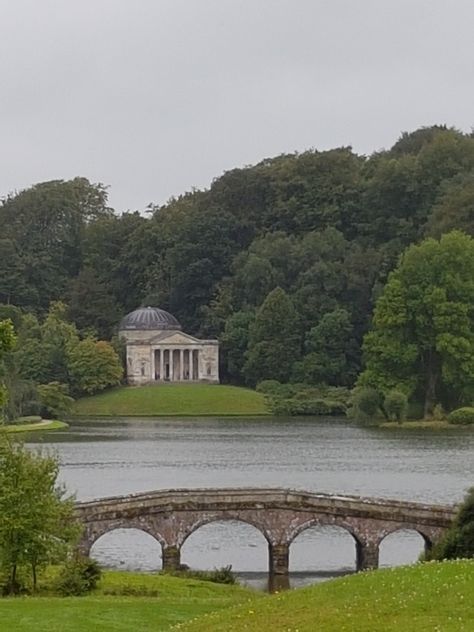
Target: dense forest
(282, 261)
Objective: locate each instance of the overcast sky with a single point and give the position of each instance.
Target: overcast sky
(154, 97)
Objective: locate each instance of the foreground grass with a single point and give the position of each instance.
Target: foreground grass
(114, 607)
(44, 424)
(173, 399)
(434, 596)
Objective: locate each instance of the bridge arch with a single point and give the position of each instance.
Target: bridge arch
(217, 542)
(324, 548)
(94, 532)
(218, 517)
(403, 545)
(425, 533)
(323, 521)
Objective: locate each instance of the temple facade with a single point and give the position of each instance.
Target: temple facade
(159, 351)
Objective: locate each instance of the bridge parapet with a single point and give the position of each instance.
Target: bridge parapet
(279, 514)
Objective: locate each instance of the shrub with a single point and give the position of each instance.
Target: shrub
(463, 416)
(223, 575)
(54, 398)
(366, 403)
(459, 540)
(268, 387)
(79, 576)
(396, 405)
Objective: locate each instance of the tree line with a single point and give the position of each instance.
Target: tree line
(282, 261)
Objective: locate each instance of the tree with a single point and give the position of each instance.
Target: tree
(93, 366)
(45, 227)
(37, 525)
(331, 351)
(7, 342)
(274, 343)
(459, 540)
(234, 343)
(422, 339)
(91, 306)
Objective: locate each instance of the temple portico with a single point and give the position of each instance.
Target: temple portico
(158, 351)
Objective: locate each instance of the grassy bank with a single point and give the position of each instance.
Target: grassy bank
(434, 596)
(114, 607)
(429, 424)
(44, 424)
(173, 399)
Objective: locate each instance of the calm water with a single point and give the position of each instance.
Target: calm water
(104, 458)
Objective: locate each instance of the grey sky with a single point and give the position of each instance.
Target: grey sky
(153, 97)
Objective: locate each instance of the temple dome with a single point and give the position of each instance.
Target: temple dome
(149, 318)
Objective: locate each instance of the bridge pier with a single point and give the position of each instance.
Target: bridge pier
(171, 558)
(279, 559)
(367, 555)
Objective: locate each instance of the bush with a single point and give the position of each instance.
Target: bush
(463, 416)
(365, 404)
(222, 575)
(459, 540)
(54, 398)
(298, 406)
(268, 387)
(78, 577)
(396, 405)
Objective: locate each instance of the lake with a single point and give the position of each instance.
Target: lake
(120, 456)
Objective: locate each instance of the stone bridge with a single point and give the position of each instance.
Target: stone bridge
(171, 516)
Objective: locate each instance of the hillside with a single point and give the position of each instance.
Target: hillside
(434, 596)
(173, 399)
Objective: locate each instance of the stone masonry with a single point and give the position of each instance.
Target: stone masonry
(170, 516)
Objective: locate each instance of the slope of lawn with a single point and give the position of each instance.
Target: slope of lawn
(173, 399)
(115, 606)
(434, 596)
(44, 424)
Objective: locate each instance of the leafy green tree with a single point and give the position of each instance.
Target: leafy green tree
(7, 342)
(366, 404)
(459, 540)
(93, 366)
(332, 351)
(274, 344)
(37, 525)
(45, 225)
(422, 340)
(91, 306)
(234, 343)
(396, 405)
(54, 400)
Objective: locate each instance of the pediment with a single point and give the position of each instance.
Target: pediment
(174, 338)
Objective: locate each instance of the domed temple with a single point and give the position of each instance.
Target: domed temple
(158, 351)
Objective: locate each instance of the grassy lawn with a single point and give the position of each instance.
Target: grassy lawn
(171, 600)
(173, 399)
(44, 424)
(435, 597)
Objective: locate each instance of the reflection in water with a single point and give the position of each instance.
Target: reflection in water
(109, 457)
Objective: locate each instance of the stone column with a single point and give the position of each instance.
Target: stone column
(198, 372)
(279, 559)
(171, 558)
(162, 364)
(152, 365)
(171, 363)
(181, 364)
(367, 555)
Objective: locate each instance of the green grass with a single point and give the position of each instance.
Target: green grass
(434, 596)
(44, 424)
(173, 399)
(174, 600)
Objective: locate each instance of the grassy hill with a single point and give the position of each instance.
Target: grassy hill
(434, 596)
(114, 607)
(173, 399)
